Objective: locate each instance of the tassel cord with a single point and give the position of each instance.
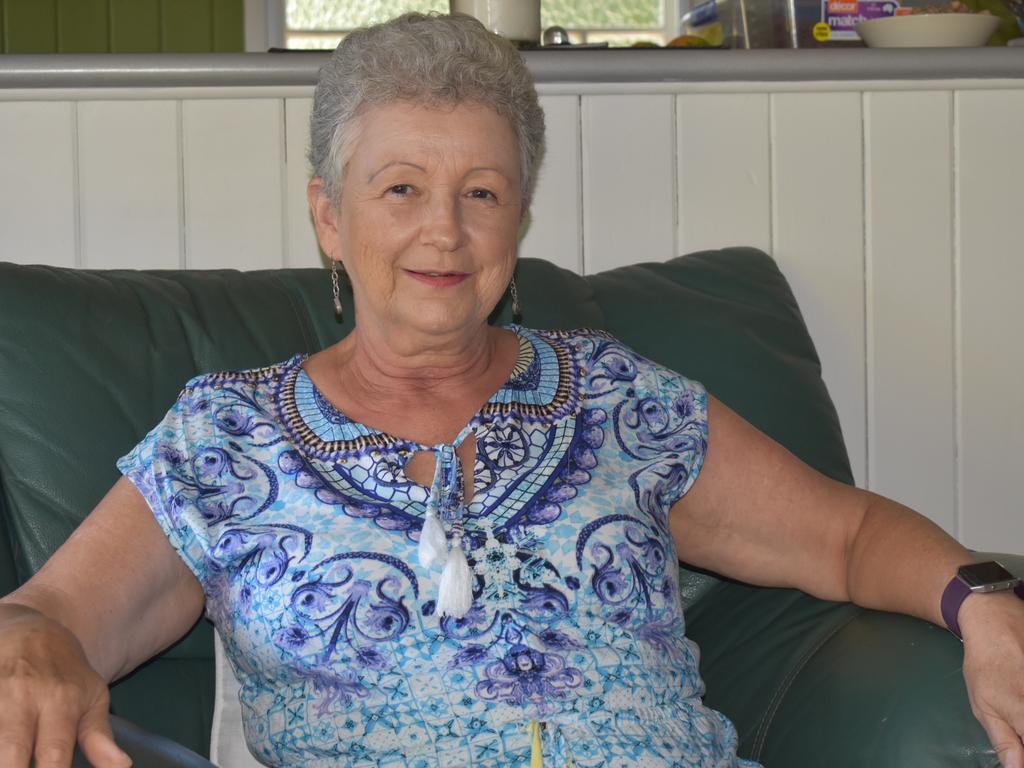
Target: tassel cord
(455, 596)
(455, 592)
(433, 546)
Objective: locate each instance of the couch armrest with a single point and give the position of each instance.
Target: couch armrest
(806, 682)
(811, 683)
(148, 750)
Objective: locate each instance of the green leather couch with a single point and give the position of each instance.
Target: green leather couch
(90, 361)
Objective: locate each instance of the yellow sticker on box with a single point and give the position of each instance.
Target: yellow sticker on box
(822, 32)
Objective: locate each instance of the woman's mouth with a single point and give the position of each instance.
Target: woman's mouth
(438, 279)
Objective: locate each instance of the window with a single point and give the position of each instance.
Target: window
(322, 23)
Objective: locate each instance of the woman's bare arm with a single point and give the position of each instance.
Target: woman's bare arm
(112, 596)
(758, 514)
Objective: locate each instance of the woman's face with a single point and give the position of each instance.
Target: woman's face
(429, 215)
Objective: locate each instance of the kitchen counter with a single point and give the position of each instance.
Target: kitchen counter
(549, 67)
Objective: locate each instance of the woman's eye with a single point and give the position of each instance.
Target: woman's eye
(400, 189)
(482, 194)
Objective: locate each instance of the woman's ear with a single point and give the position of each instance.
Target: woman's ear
(325, 215)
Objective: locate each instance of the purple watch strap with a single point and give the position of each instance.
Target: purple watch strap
(953, 597)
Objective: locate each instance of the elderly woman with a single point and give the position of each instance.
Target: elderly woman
(440, 542)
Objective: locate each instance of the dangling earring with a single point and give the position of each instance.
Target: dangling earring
(336, 289)
(517, 310)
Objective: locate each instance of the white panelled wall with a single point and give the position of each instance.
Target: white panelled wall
(894, 210)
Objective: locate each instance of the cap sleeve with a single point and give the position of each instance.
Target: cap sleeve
(671, 435)
(180, 468)
(687, 400)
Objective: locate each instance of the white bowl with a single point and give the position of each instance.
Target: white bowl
(937, 30)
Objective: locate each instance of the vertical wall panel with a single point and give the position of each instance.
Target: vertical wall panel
(910, 300)
(817, 181)
(554, 224)
(30, 26)
(129, 184)
(991, 266)
(37, 185)
(303, 250)
(134, 26)
(234, 155)
(724, 171)
(629, 196)
(235, 170)
(82, 26)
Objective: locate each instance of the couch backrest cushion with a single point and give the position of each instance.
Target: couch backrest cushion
(89, 363)
(91, 360)
(729, 319)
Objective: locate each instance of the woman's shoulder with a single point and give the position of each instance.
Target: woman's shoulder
(221, 406)
(608, 362)
(234, 391)
(564, 335)
(245, 378)
(595, 345)
(577, 342)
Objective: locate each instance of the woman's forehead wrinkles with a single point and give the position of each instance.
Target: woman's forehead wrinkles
(437, 158)
(391, 164)
(464, 140)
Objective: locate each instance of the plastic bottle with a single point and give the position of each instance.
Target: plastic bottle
(704, 21)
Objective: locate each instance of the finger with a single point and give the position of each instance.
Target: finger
(1016, 717)
(17, 735)
(1006, 741)
(97, 740)
(55, 735)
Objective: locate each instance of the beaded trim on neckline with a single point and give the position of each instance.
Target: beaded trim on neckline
(544, 388)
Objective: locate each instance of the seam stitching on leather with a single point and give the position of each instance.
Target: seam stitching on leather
(787, 683)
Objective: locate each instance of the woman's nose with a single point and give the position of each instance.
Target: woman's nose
(442, 225)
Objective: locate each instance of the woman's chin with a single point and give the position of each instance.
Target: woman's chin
(442, 320)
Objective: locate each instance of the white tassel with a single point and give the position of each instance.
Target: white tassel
(455, 596)
(433, 544)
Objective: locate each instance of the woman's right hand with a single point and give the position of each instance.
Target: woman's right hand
(115, 594)
(52, 699)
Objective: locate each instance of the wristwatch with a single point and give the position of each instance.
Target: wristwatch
(976, 577)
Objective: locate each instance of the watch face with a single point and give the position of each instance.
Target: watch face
(982, 574)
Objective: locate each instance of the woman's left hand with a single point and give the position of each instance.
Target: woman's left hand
(993, 631)
(758, 514)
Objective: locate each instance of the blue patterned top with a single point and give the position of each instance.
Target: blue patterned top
(302, 527)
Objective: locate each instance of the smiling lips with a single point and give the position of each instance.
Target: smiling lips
(438, 279)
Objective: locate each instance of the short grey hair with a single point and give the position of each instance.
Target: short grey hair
(426, 59)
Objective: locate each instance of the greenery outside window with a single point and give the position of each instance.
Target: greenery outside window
(322, 23)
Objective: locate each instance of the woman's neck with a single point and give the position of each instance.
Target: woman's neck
(427, 393)
(387, 367)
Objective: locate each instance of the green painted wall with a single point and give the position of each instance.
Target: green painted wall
(121, 26)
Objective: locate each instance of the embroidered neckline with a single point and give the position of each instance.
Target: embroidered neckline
(544, 388)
